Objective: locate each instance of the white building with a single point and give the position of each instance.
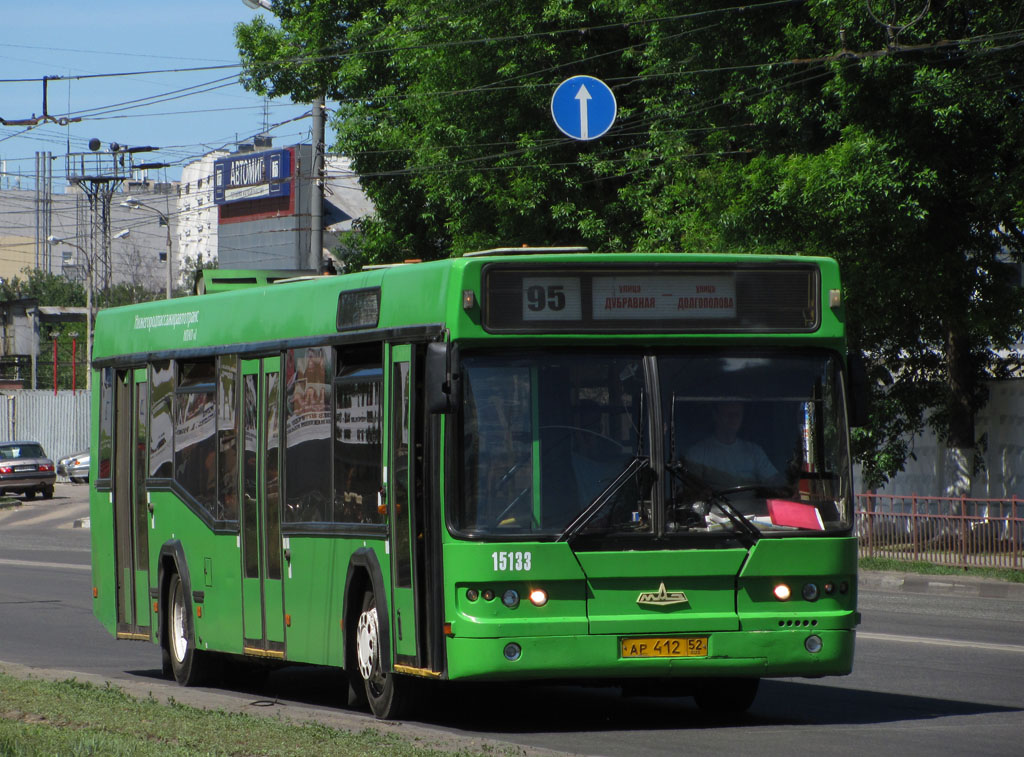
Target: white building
(197, 215)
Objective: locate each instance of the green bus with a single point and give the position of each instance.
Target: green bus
(519, 464)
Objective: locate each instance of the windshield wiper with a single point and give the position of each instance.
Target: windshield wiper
(739, 521)
(742, 525)
(636, 465)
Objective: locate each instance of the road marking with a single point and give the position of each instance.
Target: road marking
(59, 512)
(34, 564)
(941, 642)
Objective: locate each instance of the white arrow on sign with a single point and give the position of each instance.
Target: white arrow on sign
(583, 96)
(583, 107)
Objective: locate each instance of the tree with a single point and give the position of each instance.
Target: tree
(44, 287)
(888, 134)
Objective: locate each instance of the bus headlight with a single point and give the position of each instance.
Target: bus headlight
(510, 599)
(539, 597)
(813, 644)
(781, 592)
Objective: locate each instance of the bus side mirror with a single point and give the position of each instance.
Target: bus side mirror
(443, 380)
(859, 400)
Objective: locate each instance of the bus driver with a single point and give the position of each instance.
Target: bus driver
(724, 460)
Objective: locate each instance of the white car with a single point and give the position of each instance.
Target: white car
(75, 467)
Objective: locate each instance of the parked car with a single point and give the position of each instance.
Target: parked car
(75, 467)
(25, 469)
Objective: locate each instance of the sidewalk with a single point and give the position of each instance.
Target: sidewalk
(916, 583)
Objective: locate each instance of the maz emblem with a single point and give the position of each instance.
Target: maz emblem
(662, 597)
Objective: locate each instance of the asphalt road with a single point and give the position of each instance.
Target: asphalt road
(939, 670)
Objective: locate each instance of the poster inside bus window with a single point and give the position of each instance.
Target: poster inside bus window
(724, 298)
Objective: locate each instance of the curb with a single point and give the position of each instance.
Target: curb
(963, 586)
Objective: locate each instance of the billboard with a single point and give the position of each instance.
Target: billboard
(252, 176)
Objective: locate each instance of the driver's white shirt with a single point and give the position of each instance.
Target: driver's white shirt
(722, 465)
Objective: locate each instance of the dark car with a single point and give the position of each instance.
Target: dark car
(25, 469)
(75, 467)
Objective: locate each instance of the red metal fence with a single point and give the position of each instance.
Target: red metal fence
(958, 531)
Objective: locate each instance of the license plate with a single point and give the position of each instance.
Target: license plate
(664, 646)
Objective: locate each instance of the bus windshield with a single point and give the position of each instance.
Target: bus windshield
(559, 445)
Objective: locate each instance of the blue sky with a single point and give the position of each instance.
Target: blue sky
(63, 38)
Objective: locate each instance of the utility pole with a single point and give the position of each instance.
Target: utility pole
(316, 215)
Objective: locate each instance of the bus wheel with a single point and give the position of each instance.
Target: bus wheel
(188, 664)
(727, 696)
(385, 694)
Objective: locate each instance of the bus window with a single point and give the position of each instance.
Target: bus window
(195, 424)
(106, 430)
(161, 427)
(497, 448)
(756, 427)
(357, 444)
(272, 481)
(227, 437)
(570, 422)
(307, 435)
(250, 460)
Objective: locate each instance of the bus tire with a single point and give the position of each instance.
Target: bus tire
(188, 664)
(386, 694)
(727, 696)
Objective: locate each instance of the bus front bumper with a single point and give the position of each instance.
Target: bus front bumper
(759, 654)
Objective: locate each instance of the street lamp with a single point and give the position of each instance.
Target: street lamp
(131, 202)
(88, 301)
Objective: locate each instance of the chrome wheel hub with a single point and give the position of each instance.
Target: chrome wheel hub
(367, 653)
(179, 639)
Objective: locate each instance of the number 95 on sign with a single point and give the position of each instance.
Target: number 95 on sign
(551, 298)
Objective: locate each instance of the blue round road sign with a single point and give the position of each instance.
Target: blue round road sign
(583, 107)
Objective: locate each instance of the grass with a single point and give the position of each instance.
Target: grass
(76, 719)
(903, 566)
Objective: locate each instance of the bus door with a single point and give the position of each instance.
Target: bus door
(411, 529)
(131, 513)
(262, 584)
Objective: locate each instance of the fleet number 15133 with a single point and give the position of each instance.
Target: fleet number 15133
(511, 561)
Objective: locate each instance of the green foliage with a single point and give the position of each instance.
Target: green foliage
(45, 287)
(819, 127)
(126, 294)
